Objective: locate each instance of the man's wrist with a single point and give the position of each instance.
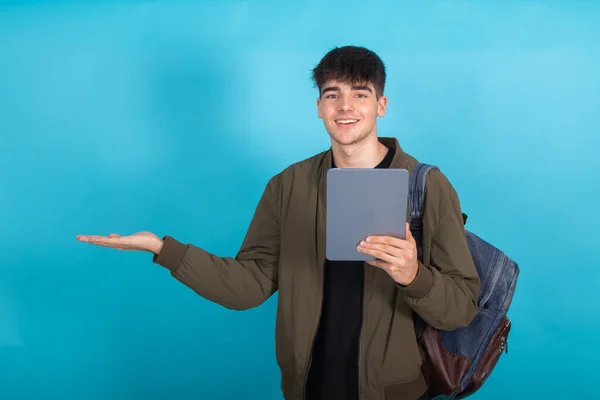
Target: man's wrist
(411, 278)
(157, 246)
(421, 285)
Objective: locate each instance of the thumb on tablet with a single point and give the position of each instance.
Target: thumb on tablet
(409, 235)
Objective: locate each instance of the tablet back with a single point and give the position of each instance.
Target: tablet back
(363, 202)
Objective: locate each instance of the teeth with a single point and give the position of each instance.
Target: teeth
(346, 121)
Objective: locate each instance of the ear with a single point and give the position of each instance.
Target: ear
(319, 108)
(381, 106)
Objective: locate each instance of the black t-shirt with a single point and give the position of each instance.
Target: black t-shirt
(334, 369)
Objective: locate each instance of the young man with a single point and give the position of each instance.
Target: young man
(344, 330)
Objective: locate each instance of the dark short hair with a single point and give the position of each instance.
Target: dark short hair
(352, 65)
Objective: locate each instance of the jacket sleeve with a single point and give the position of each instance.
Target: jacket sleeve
(444, 293)
(239, 283)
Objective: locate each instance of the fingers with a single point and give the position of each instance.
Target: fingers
(380, 264)
(108, 241)
(383, 248)
(112, 240)
(385, 253)
(84, 238)
(388, 250)
(96, 238)
(389, 241)
(406, 244)
(110, 245)
(87, 238)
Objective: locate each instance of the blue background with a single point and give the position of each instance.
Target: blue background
(170, 116)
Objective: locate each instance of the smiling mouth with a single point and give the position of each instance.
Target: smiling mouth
(346, 121)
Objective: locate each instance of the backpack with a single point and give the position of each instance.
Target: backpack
(456, 363)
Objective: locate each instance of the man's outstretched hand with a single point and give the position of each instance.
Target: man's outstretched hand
(141, 241)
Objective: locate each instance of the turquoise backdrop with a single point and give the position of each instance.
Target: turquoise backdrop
(170, 116)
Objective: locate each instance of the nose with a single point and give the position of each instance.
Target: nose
(345, 103)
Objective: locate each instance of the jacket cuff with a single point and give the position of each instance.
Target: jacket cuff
(421, 285)
(171, 255)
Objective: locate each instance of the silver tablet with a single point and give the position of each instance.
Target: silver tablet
(363, 202)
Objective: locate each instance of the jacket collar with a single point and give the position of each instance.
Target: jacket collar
(400, 159)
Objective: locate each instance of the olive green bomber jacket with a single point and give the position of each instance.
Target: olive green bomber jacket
(284, 250)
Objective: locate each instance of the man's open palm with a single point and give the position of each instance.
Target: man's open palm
(141, 241)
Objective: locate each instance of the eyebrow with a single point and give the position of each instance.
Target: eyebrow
(337, 89)
(330, 89)
(362, 88)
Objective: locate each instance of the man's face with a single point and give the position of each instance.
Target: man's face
(350, 112)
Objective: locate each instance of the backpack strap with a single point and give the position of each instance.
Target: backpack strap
(416, 198)
(416, 189)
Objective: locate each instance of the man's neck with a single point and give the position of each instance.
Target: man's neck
(368, 153)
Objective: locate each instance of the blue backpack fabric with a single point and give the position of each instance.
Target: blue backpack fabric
(456, 363)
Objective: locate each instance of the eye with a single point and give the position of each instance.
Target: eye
(362, 95)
